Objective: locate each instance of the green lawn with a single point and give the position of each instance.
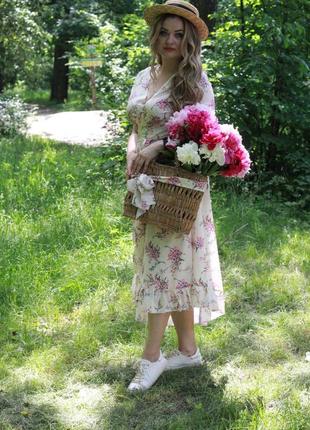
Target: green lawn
(68, 337)
(41, 97)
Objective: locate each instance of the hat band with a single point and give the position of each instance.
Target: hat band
(183, 7)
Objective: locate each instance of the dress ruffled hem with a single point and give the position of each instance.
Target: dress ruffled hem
(202, 315)
(207, 304)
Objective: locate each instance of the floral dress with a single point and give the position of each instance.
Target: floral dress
(173, 271)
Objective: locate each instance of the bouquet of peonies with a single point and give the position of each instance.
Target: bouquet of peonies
(198, 143)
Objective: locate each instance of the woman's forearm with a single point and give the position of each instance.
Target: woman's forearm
(132, 142)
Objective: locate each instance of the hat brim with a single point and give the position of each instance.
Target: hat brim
(151, 13)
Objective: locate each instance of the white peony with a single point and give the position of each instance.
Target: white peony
(188, 153)
(217, 154)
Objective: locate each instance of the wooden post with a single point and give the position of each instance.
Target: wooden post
(93, 86)
(91, 63)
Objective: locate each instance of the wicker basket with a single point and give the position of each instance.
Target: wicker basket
(176, 207)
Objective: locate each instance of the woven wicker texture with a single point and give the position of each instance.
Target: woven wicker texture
(176, 207)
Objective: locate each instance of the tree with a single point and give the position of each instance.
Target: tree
(75, 20)
(206, 8)
(68, 21)
(260, 72)
(22, 39)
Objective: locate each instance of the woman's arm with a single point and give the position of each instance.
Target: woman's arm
(139, 162)
(131, 150)
(146, 156)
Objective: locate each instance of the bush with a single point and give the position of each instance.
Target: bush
(13, 114)
(258, 66)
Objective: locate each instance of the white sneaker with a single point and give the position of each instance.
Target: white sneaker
(148, 373)
(178, 360)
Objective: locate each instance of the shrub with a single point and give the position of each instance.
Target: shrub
(13, 115)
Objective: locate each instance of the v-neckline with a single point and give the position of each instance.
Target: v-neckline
(147, 99)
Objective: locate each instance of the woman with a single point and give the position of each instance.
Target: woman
(177, 276)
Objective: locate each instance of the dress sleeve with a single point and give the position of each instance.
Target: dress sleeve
(136, 84)
(208, 95)
(131, 99)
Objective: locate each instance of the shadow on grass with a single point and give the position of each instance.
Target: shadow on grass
(18, 413)
(79, 340)
(184, 399)
(180, 399)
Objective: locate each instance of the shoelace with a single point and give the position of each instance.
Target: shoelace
(142, 368)
(177, 354)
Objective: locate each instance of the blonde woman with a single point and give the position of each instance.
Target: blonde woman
(177, 277)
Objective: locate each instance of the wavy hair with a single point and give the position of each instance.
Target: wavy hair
(186, 89)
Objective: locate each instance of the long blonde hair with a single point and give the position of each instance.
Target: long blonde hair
(185, 84)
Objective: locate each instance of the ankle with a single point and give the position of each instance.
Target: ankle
(188, 351)
(151, 356)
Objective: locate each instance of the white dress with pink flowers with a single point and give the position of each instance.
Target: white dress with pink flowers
(173, 271)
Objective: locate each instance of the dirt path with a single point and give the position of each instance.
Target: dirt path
(86, 128)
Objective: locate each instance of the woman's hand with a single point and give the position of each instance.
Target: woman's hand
(146, 156)
(130, 159)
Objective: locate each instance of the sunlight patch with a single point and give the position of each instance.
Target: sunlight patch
(79, 406)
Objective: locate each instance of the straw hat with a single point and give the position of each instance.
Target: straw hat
(181, 8)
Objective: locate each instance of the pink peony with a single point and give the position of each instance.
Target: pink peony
(239, 163)
(237, 158)
(175, 125)
(190, 123)
(220, 143)
(199, 122)
(231, 139)
(212, 137)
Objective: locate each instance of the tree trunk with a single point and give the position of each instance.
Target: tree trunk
(242, 18)
(60, 78)
(205, 9)
(2, 63)
(273, 162)
(1, 83)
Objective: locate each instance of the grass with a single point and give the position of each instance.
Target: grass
(41, 97)
(68, 337)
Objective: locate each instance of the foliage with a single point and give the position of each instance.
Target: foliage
(23, 42)
(13, 114)
(123, 50)
(122, 7)
(72, 20)
(256, 60)
(258, 66)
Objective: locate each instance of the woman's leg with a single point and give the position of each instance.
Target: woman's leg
(156, 327)
(184, 325)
